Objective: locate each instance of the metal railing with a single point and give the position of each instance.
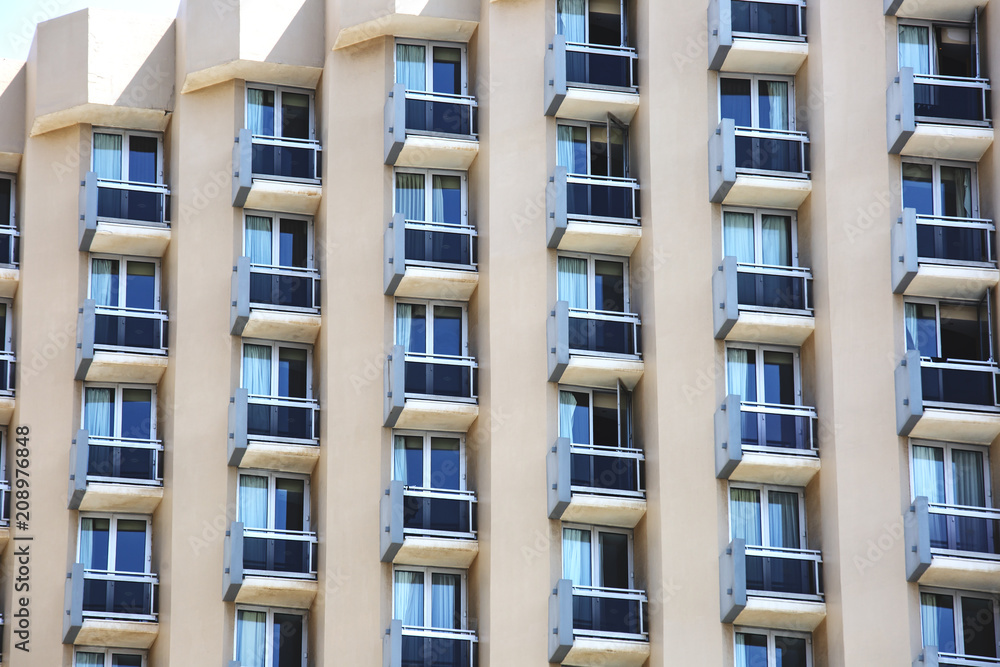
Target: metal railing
(602, 199)
(279, 553)
(763, 287)
(958, 530)
(959, 384)
(283, 419)
(133, 202)
(285, 159)
(600, 66)
(951, 99)
(604, 333)
(284, 288)
(961, 660)
(439, 513)
(437, 647)
(10, 242)
(8, 369)
(784, 573)
(607, 471)
(441, 114)
(127, 596)
(778, 429)
(441, 245)
(772, 20)
(440, 377)
(125, 461)
(130, 330)
(609, 613)
(4, 503)
(772, 152)
(955, 241)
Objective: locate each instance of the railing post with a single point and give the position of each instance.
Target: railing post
(85, 332)
(558, 466)
(557, 334)
(391, 525)
(242, 167)
(917, 538)
(79, 460)
(555, 75)
(88, 211)
(232, 562)
(238, 437)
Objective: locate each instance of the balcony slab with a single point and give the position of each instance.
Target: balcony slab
(604, 510)
(282, 325)
(105, 497)
(768, 191)
(594, 105)
(10, 277)
(602, 372)
(277, 592)
(947, 10)
(282, 457)
(422, 414)
(437, 551)
(587, 652)
(125, 238)
(117, 634)
(788, 470)
(957, 425)
(773, 328)
(600, 237)
(944, 281)
(125, 367)
(284, 196)
(6, 409)
(781, 613)
(435, 153)
(420, 282)
(948, 142)
(4, 537)
(764, 56)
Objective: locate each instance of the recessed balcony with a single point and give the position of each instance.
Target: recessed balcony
(757, 37)
(277, 174)
(275, 302)
(945, 258)
(590, 81)
(945, 10)
(120, 344)
(593, 348)
(595, 627)
(434, 527)
(430, 392)
(952, 546)
(592, 213)
(943, 117)
(406, 646)
(117, 609)
(124, 218)
(273, 432)
(596, 485)
(430, 260)
(947, 400)
(755, 303)
(768, 444)
(430, 130)
(753, 167)
(771, 588)
(115, 474)
(269, 567)
(10, 271)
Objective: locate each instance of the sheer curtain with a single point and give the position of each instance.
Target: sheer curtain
(776, 240)
(744, 515)
(251, 638)
(576, 556)
(567, 406)
(914, 50)
(564, 149)
(408, 598)
(411, 66)
(444, 593)
(258, 240)
(255, 112)
(738, 373)
(742, 651)
(932, 614)
(410, 196)
(967, 472)
(571, 20)
(404, 320)
(437, 199)
(783, 519)
(103, 275)
(97, 412)
(87, 543)
(89, 659)
(777, 108)
(928, 473)
(253, 501)
(912, 327)
(257, 369)
(737, 237)
(399, 458)
(572, 281)
(108, 156)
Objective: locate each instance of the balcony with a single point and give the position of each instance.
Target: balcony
(942, 117)
(595, 627)
(273, 432)
(431, 130)
(769, 444)
(117, 609)
(120, 344)
(759, 37)
(10, 272)
(428, 526)
(947, 400)
(590, 81)
(749, 167)
(930, 657)
(124, 218)
(944, 10)
(755, 303)
(8, 372)
(5, 500)
(952, 546)
(771, 588)
(438, 391)
(593, 348)
(275, 174)
(945, 258)
(592, 214)
(269, 567)
(436, 260)
(406, 646)
(596, 485)
(274, 302)
(115, 474)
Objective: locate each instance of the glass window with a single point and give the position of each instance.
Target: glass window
(433, 328)
(766, 516)
(941, 189)
(960, 331)
(120, 282)
(593, 283)
(593, 416)
(773, 370)
(429, 461)
(593, 149)
(937, 49)
(757, 236)
(279, 112)
(754, 102)
(431, 196)
(431, 67)
(597, 557)
(269, 638)
(114, 544)
(772, 648)
(960, 623)
(272, 369)
(277, 240)
(442, 602)
(127, 156)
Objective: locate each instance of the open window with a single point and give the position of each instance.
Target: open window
(601, 22)
(270, 637)
(939, 49)
(598, 557)
(593, 149)
(944, 330)
(596, 417)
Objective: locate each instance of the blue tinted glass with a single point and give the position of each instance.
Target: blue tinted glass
(445, 463)
(414, 462)
(735, 101)
(448, 199)
(918, 188)
(447, 70)
(292, 372)
(448, 330)
(140, 285)
(938, 610)
(790, 652)
(137, 414)
(100, 534)
(418, 330)
(142, 159)
(289, 499)
(751, 650)
(581, 419)
(130, 551)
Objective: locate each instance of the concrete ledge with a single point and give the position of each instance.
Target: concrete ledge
(123, 238)
(4, 537)
(789, 470)
(437, 551)
(604, 510)
(277, 592)
(281, 457)
(437, 415)
(126, 367)
(286, 326)
(957, 425)
(118, 634)
(948, 10)
(968, 574)
(6, 409)
(774, 328)
(447, 20)
(281, 74)
(765, 56)
(770, 191)
(588, 652)
(437, 152)
(105, 497)
(284, 196)
(594, 104)
(601, 372)
(781, 613)
(600, 237)
(944, 281)
(948, 142)
(10, 278)
(426, 283)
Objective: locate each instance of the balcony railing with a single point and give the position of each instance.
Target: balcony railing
(440, 377)
(123, 460)
(603, 333)
(951, 100)
(129, 201)
(961, 660)
(439, 513)
(283, 159)
(772, 152)
(282, 419)
(955, 241)
(4, 503)
(784, 573)
(436, 647)
(127, 596)
(607, 471)
(774, 20)
(129, 329)
(283, 288)
(440, 245)
(599, 198)
(609, 613)
(281, 553)
(7, 373)
(957, 530)
(439, 114)
(10, 242)
(599, 66)
(776, 428)
(765, 288)
(957, 384)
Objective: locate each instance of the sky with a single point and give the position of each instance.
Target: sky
(18, 18)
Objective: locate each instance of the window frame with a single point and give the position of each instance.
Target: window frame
(621, 393)
(588, 126)
(763, 491)
(755, 80)
(932, 45)
(12, 223)
(429, 45)
(959, 629)
(114, 518)
(759, 350)
(272, 476)
(278, 92)
(276, 217)
(269, 630)
(428, 175)
(595, 550)
(947, 448)
(428, 571)
(622, 17)
(429, 305)
(108, 654)
(427, 436)
(935, 165)
(126, 136)
(123, 261)
(592, 260)
(758, 230)
(937, 303)
(275, 346)
(772, 635)
(118, 389)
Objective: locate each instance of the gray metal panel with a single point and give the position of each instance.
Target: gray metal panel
(917, 536)
(234, 663)
(904, 251)
(927, 658)
(725, 303)
(392, 645)
(239, 307)
(88, 211)
(73, 618)
(722, 161)
(395, 123)
(556, 215)
(85, 329)
(391, 521)
(557, 335)
(720, 32)
(555, 75)
(232, 562)
(909, 393)
(238, 439)
(242, 167)
(733, 580)
(561, 621)
(728, 437)
(891, 6)
(395, 385)
(394, 253)
(558, 465)
(79, 457)
(900, 123)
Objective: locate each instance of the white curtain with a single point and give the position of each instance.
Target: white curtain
(928, 473)
(744, 515)
(87, 544)
(966, 187)
(97, 412)
(967, 473)
(912, 328)
(410, 196)
(102, 280)
(253, 501)
(411, 66)
(777, 95)
(437, 198)
(108, 156)
(444, 588)
(399, 458)
(571, 20)
(783, 519)
(572, 281)
(576, 556)
(742, 659)
(776, 240)
(251, 638)
(929, 619)
(567, 408)
(404, 321)
(89, 659)
(258, 240)
(255, 112)
(408, 595)
(257, 369)
(737, 237)
(914, 50)
(738, 373)
(564, 149)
